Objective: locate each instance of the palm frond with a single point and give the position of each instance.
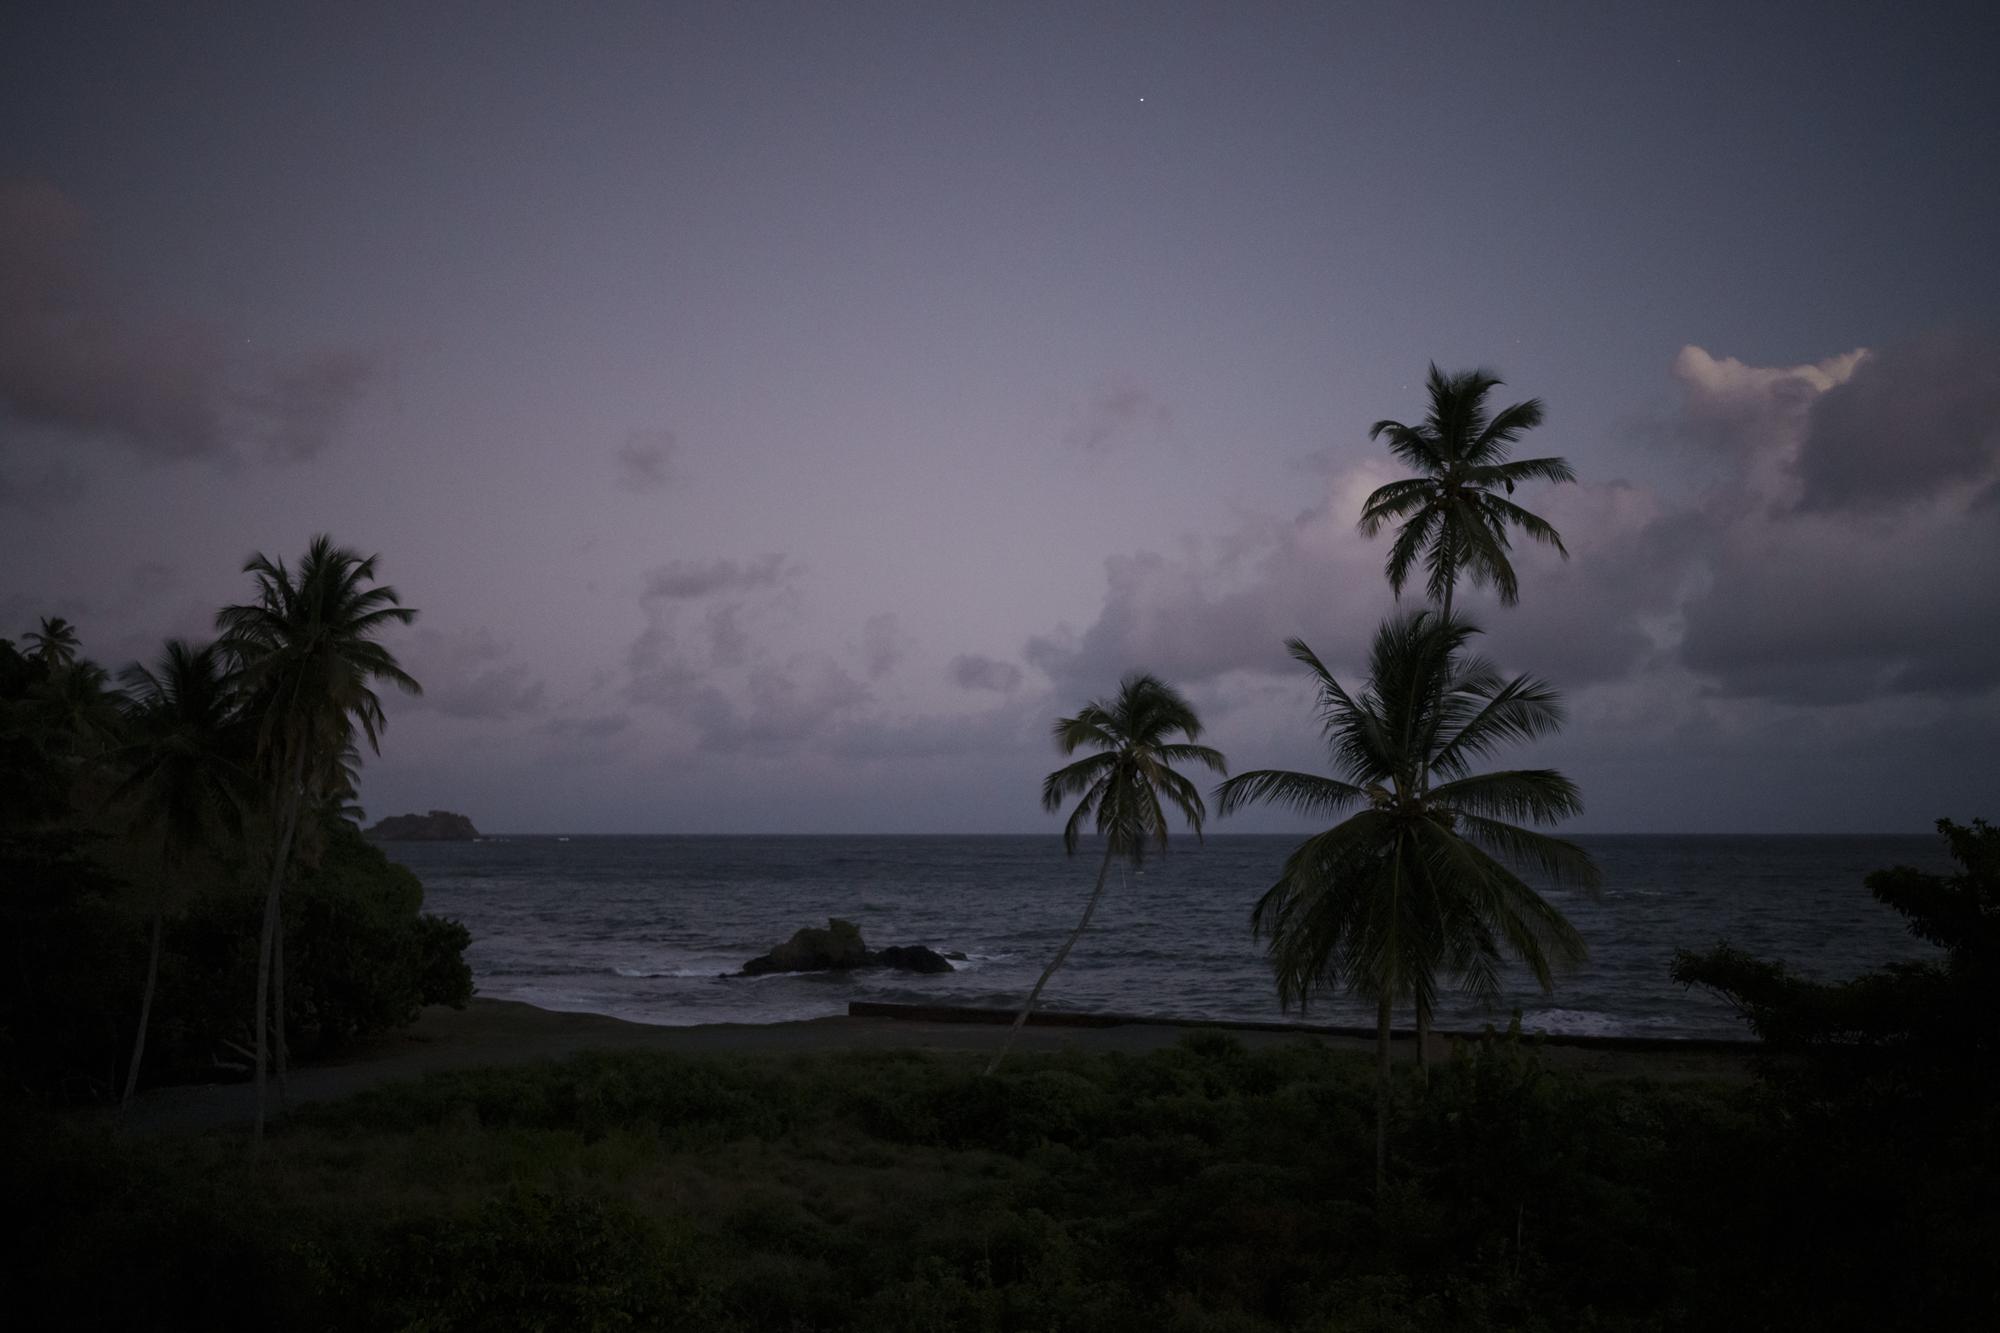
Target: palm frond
(1541, 795)
(1305, 793)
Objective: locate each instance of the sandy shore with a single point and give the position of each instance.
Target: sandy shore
(502, 1032)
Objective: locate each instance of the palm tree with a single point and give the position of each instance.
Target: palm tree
(1453, 516)
(1416, 882)
(1122, 785)
(182, 778)
(75, 709)
(306, 653)
(54, 644)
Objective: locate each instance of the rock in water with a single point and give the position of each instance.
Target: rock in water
(839, 948)
(912, 958)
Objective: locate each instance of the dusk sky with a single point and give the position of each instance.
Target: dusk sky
(779, 414)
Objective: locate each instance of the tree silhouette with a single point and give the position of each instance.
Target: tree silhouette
(306, 652)
(1415, 883)
(1121, 786)
(183, 781)
(1453, 516)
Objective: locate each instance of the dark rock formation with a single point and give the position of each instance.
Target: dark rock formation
(840, 948)
(437, 826)
(911, 958)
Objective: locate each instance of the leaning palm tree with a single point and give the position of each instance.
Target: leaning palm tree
(307, 658)
(182, 779)
(1420, 880)
(1122, 785)
(1453, 516)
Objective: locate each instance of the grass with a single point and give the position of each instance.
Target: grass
(1202, 1187)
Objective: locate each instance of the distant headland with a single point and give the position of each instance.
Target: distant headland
(437, 826)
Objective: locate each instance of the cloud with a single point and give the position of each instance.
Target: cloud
(883, 644)
(37, 487)
(685, 580)
(303, 408)
(1909, 422)
(717, 675)
(596, 727)
(1223, 604)
(1116, 409)
(1785, 578)
(646, 461)
(77, 362)
(1865, 569)
(466, 674)
(970, 671)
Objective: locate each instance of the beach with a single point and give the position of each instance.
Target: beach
(507, 1032)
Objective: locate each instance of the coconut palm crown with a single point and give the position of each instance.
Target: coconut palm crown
(1126, 785)
(1122, 782)
(306, 652)
(1454, 516)
(54, 644)
(1419, 880)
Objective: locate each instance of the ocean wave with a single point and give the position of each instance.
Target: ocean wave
(1596, 1023)
(648, 973)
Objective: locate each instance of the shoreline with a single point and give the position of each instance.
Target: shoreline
(510, 1032)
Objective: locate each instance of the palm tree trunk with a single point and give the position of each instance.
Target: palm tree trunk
(1423, 1043)
(278, 1004)
(1103, 870)
(146, 999)
(266, 938)
(1381, 1093)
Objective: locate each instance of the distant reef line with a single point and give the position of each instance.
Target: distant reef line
(437, 826)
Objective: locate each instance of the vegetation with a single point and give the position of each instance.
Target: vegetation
(1909, 1033)
(132, 842)
(1453, 515)
(1120, 787)
(181, 778)
(305, 655)
(1416, 882)
(1204, 1187)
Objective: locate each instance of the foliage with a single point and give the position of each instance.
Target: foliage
(362, 956)
(1906, 1034)
(70, 968)
(306, 659)
(1120, 785)
(1453, 516)
(1418, 881)
(1130, 767)
(1207, 1186)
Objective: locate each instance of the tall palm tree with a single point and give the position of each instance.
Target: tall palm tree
(183, 780)
(1453, 516)
(54, 644)
(307, 655)
(1416, 882)
(1122, 785)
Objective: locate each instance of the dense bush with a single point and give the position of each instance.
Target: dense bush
(360, 959)
(71, 964)
(1203, 1187)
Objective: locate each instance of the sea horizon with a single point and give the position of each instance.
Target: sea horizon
(649, 927)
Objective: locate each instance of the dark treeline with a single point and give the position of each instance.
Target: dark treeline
(148, 822)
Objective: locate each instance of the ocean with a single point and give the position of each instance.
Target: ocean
(641, 927)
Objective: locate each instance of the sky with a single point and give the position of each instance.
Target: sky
(780, 414)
